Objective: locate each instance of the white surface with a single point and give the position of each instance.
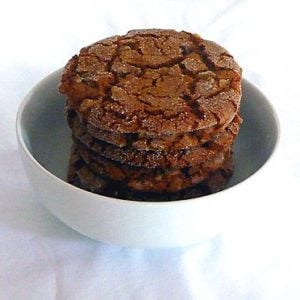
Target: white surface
(40, 258)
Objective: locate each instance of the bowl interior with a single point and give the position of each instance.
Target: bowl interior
(46, 134)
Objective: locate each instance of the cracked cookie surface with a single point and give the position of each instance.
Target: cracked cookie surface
(153, 82)
(169, 142)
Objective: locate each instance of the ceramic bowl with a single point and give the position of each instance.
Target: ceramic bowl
(44, 143)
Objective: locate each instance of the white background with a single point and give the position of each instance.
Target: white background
(40, 258)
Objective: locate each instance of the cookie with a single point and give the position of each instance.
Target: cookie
(147, 143)
(154, 114)
(81, 176)
(164, 159)
(153, 82)
(157, 180)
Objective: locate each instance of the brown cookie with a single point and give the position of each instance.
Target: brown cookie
(163, 159)
(80, 175)
(148, 143)
(153, 82)
(155, 180)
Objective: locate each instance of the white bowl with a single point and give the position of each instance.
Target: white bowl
(44, 142)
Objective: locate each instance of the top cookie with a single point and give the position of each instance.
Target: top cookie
(153, 82)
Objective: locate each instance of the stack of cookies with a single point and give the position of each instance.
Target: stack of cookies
(154, 115)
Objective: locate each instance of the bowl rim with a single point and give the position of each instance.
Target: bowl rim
(112, 200)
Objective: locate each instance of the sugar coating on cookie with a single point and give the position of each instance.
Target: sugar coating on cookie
(153, 82)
